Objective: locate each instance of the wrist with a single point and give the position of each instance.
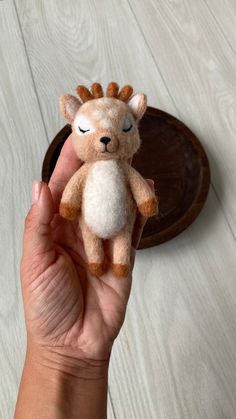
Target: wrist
(58, 386)
(58, 364)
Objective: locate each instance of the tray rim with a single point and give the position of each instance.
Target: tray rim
(201, 195)
(199, 200)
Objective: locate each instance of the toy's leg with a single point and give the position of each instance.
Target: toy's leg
(93, 246)
(121, 254)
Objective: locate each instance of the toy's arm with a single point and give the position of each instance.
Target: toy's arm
(72, 196)
(143, 195)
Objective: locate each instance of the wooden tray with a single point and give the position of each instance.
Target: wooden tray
(174, 158)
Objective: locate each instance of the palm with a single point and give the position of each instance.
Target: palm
(66, 307)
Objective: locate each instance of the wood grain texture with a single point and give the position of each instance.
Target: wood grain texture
(78, 42)
(111, 413)
(224, 13)
(22, 145)
(175, 357)
(199, 67)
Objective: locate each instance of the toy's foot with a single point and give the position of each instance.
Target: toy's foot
(121, 271)
(96, 269)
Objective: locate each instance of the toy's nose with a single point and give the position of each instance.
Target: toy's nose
(105, 140)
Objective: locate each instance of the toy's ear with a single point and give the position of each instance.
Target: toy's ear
(138, 105)
(69, 106)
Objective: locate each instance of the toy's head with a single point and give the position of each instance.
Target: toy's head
(104, 127)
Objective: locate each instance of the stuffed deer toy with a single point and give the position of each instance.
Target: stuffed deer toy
(106, 192)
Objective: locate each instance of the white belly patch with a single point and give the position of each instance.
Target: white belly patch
(105, 199)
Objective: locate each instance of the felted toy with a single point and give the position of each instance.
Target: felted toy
(106, 191)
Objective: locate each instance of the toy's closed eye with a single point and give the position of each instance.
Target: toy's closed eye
(83, 130)
(127, 126)
(83, 125)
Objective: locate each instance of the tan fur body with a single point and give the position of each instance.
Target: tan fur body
(113, 189)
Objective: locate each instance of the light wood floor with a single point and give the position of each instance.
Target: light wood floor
(176, 355)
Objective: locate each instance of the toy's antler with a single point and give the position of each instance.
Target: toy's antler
(125, 93)
(112, 91)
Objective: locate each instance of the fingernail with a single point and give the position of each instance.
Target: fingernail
(36, 189)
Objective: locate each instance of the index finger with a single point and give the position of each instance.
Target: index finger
(67, 164)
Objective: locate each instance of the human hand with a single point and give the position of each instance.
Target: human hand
(68, 311)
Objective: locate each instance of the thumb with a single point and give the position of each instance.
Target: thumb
(38, 246)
